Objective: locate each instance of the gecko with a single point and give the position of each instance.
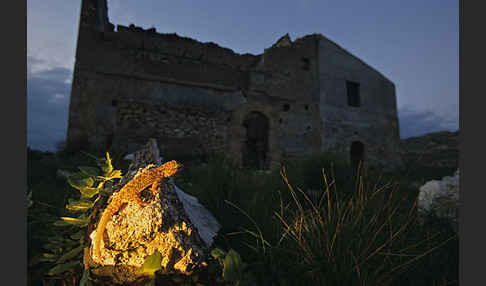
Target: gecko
(130, 192)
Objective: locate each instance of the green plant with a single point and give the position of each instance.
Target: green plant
(359, 238)
(66, 247)
(235, 271)
(353, 229)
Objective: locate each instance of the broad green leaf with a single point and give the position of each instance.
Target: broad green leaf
(78, 176)
(60, 268)
(115, 174)
(68, 243)
(105, 164)
(101, 185)
(57, 238)
(218, 253)
(233, 266)
(152, 264)
(54, 246)
(51, 246)
(48, 257)
(104, 185)
(89, 192)
(70, 254)
(80, 205)
(78, 235)
(61, 223)
(89, 171)
(79, 183)
(76, 221)
(85, 279)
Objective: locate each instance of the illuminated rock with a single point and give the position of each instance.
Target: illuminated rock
(173, 223)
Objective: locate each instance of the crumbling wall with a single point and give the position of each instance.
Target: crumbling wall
(290, 75)
(133, 83)
(374, 122)
(184, 131)
(137, 52)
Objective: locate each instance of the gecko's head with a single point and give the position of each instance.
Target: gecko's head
(171, 167)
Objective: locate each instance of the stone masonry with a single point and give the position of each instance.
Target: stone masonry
(296, 99)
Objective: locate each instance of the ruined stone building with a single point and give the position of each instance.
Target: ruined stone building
(297, 98)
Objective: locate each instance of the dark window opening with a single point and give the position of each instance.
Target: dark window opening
(286, 107)
(114, 102)
(280, 121)
(357, 153)
(255, 147)
(352, 89)
(306, 107)
(306, 64)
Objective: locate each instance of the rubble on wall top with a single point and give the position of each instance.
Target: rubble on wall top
(133, 28)
(307, 37)
(174, 36)
(284, 41)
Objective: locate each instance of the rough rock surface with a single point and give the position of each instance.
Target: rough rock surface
(172, 223)
(433, 150)
(442, 198)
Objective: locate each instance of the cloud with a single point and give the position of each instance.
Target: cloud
(415, 122)
(48, 93)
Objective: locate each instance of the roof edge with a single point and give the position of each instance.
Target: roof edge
(349, 53)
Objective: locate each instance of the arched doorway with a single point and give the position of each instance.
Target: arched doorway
(357, 153)
(255, 145)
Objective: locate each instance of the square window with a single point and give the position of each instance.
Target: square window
(352, 89)
(306, 64)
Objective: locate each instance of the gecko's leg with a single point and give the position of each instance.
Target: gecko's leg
(153, 189)
(155, 186)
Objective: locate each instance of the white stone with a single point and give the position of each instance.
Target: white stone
(441, 197)
(202, 219)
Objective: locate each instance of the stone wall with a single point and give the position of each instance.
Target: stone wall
(130, 51)
(194, 98)
(185, 131)
(159, 72)
(374, 122)
(289, 72)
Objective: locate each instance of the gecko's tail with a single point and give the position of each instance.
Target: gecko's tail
(100, 230)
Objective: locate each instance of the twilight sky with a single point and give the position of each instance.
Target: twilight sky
(414, 43)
